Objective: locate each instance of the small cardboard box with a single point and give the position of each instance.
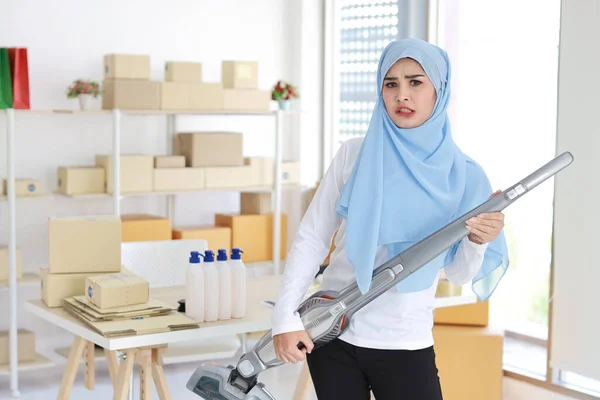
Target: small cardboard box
(290, 172)
(26, 349)
(169, 162)
(136, 172)
(144, 228)
(81, 180)
(211, 149)
(476, 314)
(217, 237)
(191, 96)
(247, 99)
(4, 264)
(84, 244)
(130, 94)
(239, 74)
(116, 290)
(255, 203)
(182, 71)
(56, 287)
(23, 187)
(229, 177)
(263, 169)
(127, 66)
(254, 235)
(173, 179)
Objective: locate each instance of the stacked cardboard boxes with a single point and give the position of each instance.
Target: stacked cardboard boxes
(184, 89)
(127, 84)
(240, 82)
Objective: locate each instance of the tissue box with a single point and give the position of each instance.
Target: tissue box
(117, 290)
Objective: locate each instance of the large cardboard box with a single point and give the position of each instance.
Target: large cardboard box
(211, 149)
(173, 179)
(183, 71)
(117, 290)
(4, 264)
(143, 228)
(215, 236)
(239, 74)
(136, 172)
(255, 203)
(229, 177)
(247, 99)
(127, 66)
(191, 96)
(469, 361)
(84, 244)
(81, 180)
(26, 349)
(130, 94)
(476, 314)
(23, 187)
(254, 235)
(56, 287)
(169, 162)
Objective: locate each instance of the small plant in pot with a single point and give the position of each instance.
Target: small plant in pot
(283, 92)
(84, 90)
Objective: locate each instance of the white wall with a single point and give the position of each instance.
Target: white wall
(66, 40)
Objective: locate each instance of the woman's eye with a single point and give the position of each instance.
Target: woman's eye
(415, 82)
(391, 84)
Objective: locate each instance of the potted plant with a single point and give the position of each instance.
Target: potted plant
(283, 92)
(83, 90)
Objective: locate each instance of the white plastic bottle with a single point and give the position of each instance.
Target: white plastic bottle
(211, 287)
(224, 285)
(194, 289)
(238, 284)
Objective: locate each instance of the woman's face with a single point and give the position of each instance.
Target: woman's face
(408, 94)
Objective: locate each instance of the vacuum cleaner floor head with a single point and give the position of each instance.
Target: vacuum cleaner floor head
(215, 382)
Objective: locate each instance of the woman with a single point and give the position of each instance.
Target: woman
(403, 181)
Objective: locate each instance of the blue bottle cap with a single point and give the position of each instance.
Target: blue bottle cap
(195, 257)
(209, 256)
(236, 253)
(222, 255)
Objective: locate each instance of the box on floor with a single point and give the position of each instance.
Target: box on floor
(23, 187)
(136, 172)
(56, 287)
(81, 180)
(210, 149)
(4, 264)
(84, 244)
(144, 227)
(254, 235)
(26, 346)
(217, 237)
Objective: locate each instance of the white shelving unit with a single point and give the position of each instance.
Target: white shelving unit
(13, 367)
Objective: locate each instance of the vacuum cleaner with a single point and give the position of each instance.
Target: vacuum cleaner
(326, 314)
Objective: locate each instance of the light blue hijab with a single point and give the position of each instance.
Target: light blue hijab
(408, 183)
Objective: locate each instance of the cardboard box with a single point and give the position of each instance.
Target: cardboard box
(116, 290)
(216, 237)
(446, 288)
(247, 99)
(127, 66)
(26, 346)
(81, 180)
(56, 287)
(239, 74)
(476, 314)
(136, 172)
(228, 177)
(84, 244)
(173, 179)
(182, 71)
(211, 149)
(254, 235)
(290, 172)
(23, 187)
(129, 94)
(262, 168)
(255, 203)
(463, 353)
(169, 162)
(4, 264)
(143, 228)
(191, 96)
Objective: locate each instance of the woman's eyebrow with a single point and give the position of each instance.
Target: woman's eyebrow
(414, 76)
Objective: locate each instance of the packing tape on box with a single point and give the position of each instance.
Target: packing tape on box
(120, 277)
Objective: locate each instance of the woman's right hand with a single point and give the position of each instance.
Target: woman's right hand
(286, 346)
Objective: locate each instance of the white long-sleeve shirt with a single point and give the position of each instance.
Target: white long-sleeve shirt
(393, 320)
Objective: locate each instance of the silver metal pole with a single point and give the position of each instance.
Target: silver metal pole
(277, 193)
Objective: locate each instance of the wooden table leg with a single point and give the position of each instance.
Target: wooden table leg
(144, 359)
(66, 384)
(303, 383)
(113, 366)
(124, 375)
(90, 368)
(159, 376)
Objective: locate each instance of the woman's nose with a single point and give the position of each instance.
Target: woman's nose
(402, 94)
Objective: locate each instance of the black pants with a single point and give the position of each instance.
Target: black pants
(341, 371)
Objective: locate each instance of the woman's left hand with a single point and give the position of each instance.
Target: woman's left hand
(487, 226)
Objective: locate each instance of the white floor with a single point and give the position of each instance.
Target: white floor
(280, 381)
